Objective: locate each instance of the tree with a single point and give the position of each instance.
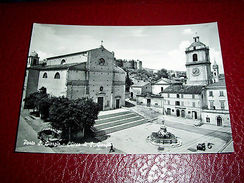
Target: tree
(32, 101)
(44, 106)
(128, 82)
(162, 73)
(71, 116)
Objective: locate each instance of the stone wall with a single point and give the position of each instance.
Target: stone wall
(55, 87)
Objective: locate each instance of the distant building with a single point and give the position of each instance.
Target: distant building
(91, 73)
(215, 75)
(150, 100)
(162, 84)
(176, 74)
(152, 71)
(129, 64)
(140, 88)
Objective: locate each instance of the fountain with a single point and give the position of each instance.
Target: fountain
(164, 137)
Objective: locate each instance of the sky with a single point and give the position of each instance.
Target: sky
(156, 46)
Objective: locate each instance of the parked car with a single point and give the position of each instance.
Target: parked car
(201, 147)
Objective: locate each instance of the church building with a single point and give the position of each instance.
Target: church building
(90, 73)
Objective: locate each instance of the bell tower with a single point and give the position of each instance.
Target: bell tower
(198, 68)
(33, 59)
(215, 72)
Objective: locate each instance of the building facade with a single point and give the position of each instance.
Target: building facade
(183, 101)
(140, 88)
(216, 110)
(204, 96)
(91, 73)
(162, 84)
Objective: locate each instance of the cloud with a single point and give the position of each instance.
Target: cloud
(177, 56)
(139, 32)
(187, 31)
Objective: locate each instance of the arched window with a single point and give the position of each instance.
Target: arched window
(57, 76)
(194, 57)
(63, 61)
(44, 75)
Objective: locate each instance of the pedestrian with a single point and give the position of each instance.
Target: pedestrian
(111, 148)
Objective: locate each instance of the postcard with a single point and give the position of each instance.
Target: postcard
(124, 90)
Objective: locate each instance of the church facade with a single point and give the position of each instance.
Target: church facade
(91, 73)
(204, 96)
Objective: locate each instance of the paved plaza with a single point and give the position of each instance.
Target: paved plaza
(128, 130)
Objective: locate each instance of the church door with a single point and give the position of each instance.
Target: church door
(117, 103)
(100, 103)
(219, 121)
(177, 112)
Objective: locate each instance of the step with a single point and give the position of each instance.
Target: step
(120, 127)
(113, 115)
(119, 122)
(115, 118)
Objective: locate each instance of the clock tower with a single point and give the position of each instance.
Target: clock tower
(198, 68)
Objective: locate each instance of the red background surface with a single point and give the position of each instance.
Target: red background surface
(16, 21)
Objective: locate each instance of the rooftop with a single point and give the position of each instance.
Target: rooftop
(221, 83)
(184, 89)
(57, 67)
(166, 80)
(76, 53)
(196, 45)
(140, 84)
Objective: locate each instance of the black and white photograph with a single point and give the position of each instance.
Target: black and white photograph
(124, 90)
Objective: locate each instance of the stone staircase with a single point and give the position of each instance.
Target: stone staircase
(109, 123)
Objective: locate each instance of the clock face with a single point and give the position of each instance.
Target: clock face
(195, 71)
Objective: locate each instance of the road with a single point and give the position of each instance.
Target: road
(226, 136)
(207, 135)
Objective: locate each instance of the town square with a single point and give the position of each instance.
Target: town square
(148, 101)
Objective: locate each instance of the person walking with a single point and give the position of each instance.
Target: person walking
(111, 148)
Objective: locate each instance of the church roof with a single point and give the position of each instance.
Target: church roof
(57, 67)
(70, 54)
(76, 53)
(184, 89)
